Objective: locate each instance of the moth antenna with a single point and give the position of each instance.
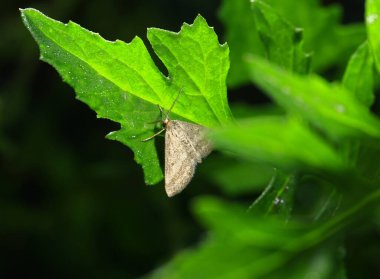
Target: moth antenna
(175, 101)
(157, 121)
(161, 110)
(166, 116)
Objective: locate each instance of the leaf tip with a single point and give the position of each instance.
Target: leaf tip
(201, 21)
(25, 11)
(22, 12)
(199, 17)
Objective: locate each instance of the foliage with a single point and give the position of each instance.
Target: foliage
(320, 24)
(320, 152)
(120, 81)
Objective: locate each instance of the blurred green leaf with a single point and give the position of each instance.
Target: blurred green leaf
(277, 198)
(279, 141)
(265, 33)
(321, 25)
(236, 177)
(325, 261)
(225, 218)
(368, 153)
(121, 82)
(244, 110)
(244, 246)
(329, 55)
(358, 77)
(240, 245)
(241, 35)
(372, 17)
(330, 107)
(283, 42)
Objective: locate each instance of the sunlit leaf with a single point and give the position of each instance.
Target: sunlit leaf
(330, 107)
(279, 141)
(121, 82)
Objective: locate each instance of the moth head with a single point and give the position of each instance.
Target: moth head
(165, 122)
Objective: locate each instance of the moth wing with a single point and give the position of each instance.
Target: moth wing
(185, 146)
(196, 138)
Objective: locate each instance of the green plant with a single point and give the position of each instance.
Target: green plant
(319, 150)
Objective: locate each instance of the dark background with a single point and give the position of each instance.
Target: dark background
(71, 202)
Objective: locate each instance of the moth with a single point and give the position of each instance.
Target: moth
(185, 147)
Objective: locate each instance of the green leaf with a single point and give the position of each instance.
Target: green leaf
(195, 59)
(244, 110)
(358, 77)
(321, 25)
(242, 37)
(372, 15)
(256, 28)
(278, 141)
(277, 198)
(330, 107)
(121, 82)
(236, 177)
(283, 42)
(240, 246)
(98, 72)
(325, 261)
(328, 55)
